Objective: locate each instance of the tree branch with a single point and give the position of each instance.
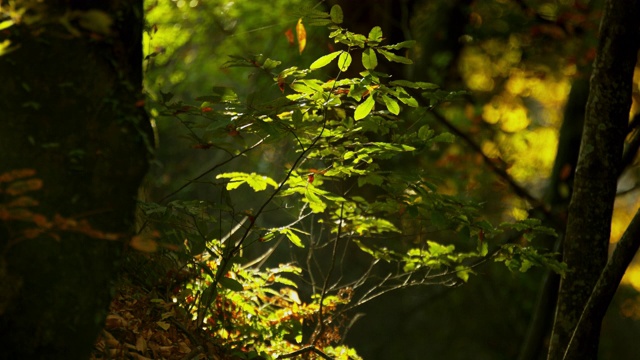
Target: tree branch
(631, 149)
(586, 243)
(499, 171)
(608, 281)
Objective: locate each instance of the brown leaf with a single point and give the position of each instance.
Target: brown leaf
(110, 341)
(143, 243)
(183, 347)
(139, 357)
(289, 35)
(164, 325)
(115, 321)
(141, 344)
(166, 350)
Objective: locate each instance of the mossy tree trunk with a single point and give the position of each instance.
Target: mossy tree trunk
(71, 110)
(589, 220)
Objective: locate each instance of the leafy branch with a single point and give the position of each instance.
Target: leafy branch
(335, 136)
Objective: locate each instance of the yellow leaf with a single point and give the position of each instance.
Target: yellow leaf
(5, 24)
(165, 326)
(302, 35)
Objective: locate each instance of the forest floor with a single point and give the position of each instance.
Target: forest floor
(144, 326)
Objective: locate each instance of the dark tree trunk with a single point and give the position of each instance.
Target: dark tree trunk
(71, 110)
(557, 195)
(589, 220)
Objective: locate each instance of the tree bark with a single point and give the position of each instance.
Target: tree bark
(71, 105)
(607, 285)
(589, 220)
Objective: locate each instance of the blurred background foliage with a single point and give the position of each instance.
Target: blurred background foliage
(525, 65)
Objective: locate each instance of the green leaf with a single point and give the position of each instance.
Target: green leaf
(300, 87)
(401, 45)
(283, 280)
(439, 249)
(414, 85)
(315, 203)
(325, 60)
(356, 91)
(232, 185)
(336, 14)
(483, 249)
(314, 84)
(375, 34)
(369, 59)
(318, 22)
(270, 64)
(393, 57)
(444, 137)
(348, 155)
(404, 97)
(526, 265)
(425, 133)
(256, 181)
(260, 182)
(462, 272)
(295, 239)
(344, 61)
(364, 108)
(231, 284)
(392, 105)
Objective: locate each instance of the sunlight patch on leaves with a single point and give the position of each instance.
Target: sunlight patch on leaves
(364, 108)
(324, 60)
(256, 181)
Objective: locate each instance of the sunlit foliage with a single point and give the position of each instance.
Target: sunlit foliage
(318, 145)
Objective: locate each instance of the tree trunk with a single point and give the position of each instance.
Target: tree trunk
(71, 105)
(589, 220)
(557, 196)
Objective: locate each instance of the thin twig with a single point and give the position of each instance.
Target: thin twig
(320, 327)
(502, 173)
(306, 349)
(214, 168)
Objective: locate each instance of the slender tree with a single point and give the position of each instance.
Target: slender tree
(589, 221)
(74, 142)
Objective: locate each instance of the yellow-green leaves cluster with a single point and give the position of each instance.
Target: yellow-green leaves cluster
(256, 181)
